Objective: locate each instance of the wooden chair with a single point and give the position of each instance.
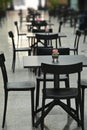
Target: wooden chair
(39, 78)
(15, 86)
(76, 42)
(15, 50)
(56, 95)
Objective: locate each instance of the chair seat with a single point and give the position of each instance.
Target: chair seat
(84, 83)
(23, 49)
(62, 93)
(25, 85)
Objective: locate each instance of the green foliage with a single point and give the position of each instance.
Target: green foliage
(52, 4)
(4, 3)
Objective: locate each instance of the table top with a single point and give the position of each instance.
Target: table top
(33, 34)
(35, 61)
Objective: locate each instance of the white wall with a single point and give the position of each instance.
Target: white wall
(23, 4)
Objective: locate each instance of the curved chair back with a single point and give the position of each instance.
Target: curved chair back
(60, 25)
(57, 70)
(3, 69)
(16, 24)
(11, 35)
(48, 51)
(47, 38)
(43, 50)
(61, 69)
(41, 30)
(39, 24)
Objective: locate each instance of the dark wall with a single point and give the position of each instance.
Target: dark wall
(82, 5)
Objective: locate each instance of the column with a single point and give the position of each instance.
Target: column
(39, 5)
(45, 6)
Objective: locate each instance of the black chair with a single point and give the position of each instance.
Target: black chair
(39, 24)
(56, 95)
(64, 78)
(15, 86)
(15, 49)
(83, 87)
(19, 34)
(76, 42)
(41, 50)
(47, 39)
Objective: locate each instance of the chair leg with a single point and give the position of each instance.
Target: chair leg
(84, 38)
(18, 41)
(59, 42)
(37, 94)
(29, 53)
(77, 109)
(68, 100)
(82, 108)
(5, 109)
(32, 106)
(43, 108)
(67, 86)
(13, 62)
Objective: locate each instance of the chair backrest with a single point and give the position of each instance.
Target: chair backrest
(41, 30)
(77, 38)
(11, 35)
(64, 51)
(3, 69)
(16, 24)
(40, 50)
(39, 23)
(60, 25)
(56, 70)
(43, 50)
(47, 36)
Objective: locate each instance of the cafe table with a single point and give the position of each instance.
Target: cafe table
(35, 61)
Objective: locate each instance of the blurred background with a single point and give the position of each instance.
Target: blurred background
(41, 4)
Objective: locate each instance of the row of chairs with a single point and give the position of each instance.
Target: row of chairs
(54, 93)
(29, 49)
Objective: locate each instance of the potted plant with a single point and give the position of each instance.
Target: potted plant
(55, 55)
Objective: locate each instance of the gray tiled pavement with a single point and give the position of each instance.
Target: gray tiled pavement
(18, 112)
